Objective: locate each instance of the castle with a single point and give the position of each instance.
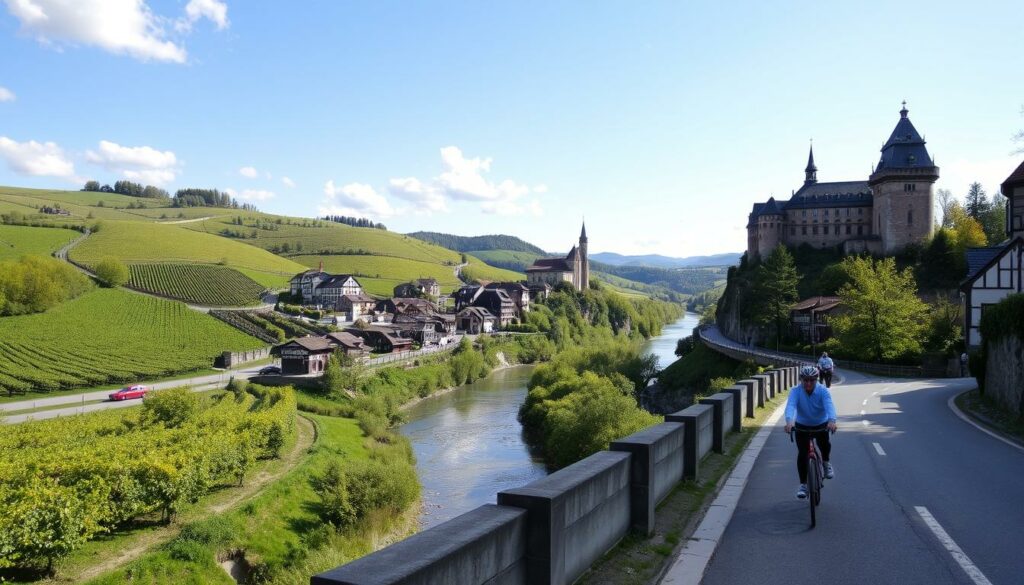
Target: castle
(574, 268)
(892, 208)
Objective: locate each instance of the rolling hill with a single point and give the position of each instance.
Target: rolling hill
(668, 262)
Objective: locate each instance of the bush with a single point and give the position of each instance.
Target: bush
(172, 407)
(348, 494)
(189, 551)
(112, 272)
(215, 531)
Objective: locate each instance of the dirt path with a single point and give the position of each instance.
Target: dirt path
(195, 219)
(135, 547)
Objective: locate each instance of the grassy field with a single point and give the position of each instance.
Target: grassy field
(382, 273)
(479, 270)
(138, 242)
(206, 284)
(110, 336)
(506, 258)
(16, 241)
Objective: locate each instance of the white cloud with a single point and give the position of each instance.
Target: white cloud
(216, 12)
(355, 199)
(39, 159)
(255, 195)
(138, 163)
(427, 198)
(6, 95)
(540, 188)
(288, 182)
(119, 26)
(249, 172)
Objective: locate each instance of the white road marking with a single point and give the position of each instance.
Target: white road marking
(874, 393)
(958, 554)
(879, 448)
(864, 403)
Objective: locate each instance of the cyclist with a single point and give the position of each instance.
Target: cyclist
(810, 411)
(826, 366)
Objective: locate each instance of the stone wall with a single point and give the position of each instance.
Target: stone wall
(1004, 373)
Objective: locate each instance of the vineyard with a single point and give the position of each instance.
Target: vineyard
(64, 481)
(205, 284)
(109, 336)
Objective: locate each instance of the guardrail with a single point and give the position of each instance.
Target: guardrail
(550, 531)
(764, 357)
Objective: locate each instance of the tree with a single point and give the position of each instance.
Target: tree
(942, 266)
(969, 233)
(91, 186)
(333, 377)
(883, 319)
(775, 290)
(112, 272)
(993, 223)
(976, 203)
(172, 408)
(944, 198)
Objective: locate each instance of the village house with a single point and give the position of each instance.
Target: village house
(421, 286)
(348, 344)
(881, 215)
(809, 319)
(499, 304)
(476, 320)
(357, 306)
(382, 339)
(518, 292)
(574, 268)
(424, 329)
(304, 355)
(406, 306)
(995, 272)
(316, 287)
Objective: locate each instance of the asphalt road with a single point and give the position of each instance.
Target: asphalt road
(75, 402)
(905, 463)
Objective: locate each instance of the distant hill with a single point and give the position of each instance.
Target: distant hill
(659, 261)
(478, 243)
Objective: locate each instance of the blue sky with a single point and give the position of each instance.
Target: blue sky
(661, 122)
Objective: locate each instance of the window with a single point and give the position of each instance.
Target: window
(848, 229)
(910, 217)
(803, 213)
(847, 212)
(792, 231)
(907, 187)
(803, 230)
(815, 212)
(815, 230)
(860, 211)
(860, 230)
(836, 212)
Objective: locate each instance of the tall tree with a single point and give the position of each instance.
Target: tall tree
(993, 222)
(969, 233)
(884, 320)
(944, 199)
(976, 203)
(775, 290)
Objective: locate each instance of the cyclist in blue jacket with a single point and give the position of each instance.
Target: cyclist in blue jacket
(810, 411)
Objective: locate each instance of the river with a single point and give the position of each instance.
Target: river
(469, 445)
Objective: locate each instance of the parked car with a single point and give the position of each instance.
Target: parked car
(130, 392)
(270, 371)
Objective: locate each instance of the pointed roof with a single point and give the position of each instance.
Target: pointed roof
(771, 208)
(810, 162)
(905, 147)
(583, 234)
(572, 254)
(1016, 179)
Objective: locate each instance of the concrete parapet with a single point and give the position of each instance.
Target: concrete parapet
(723, 405)
(485, 545)
(697, 435)
(656, 467)
(737, 407)
(765, 388)
(749, 386)
(574, 516)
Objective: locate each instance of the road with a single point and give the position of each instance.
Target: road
(908, 470)
(75, 402)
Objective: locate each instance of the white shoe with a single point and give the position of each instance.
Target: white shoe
(829, 472)
(801, 492)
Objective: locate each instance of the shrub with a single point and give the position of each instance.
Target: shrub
(172, 407)
(189, 551)
(112, 272)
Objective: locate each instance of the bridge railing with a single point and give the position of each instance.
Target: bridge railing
(550, 531)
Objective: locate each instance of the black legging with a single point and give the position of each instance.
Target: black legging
(820, 433)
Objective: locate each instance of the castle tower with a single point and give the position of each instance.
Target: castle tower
(584, 260)
(902, 186)
(811, 172)
(769, 227)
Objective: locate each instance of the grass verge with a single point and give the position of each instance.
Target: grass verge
(989, 414)
(640, 560)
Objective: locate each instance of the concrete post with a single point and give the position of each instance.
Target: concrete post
(723, 407)
(695, 419)
(737, 406)
(656, 466)
(762, 390)
(750, 395)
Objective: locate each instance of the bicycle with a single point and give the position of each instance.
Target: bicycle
(826, 377)
(815, 473)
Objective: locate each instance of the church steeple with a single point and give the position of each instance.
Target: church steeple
(583, 234)
(811, 172)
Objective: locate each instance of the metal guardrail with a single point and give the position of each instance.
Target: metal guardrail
(763, 357)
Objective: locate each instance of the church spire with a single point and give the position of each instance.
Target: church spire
(583, 233)
(811, 172)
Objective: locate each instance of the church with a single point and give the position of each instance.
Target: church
(880, 215)
(574, 268)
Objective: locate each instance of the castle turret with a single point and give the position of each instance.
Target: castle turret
(584, 260)
(902, 186)
(811, 172)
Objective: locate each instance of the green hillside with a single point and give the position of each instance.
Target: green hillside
(480, 270)
(16, 241)
(380, 274)
(470, 243)
(139, 242)
(205, 284)
(110, 336)
(507, 259)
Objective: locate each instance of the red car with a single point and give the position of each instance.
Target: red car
(130, 392)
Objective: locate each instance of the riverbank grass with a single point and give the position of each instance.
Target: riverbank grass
(638, 560)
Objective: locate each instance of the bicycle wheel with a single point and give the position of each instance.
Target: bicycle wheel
(813, 487)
